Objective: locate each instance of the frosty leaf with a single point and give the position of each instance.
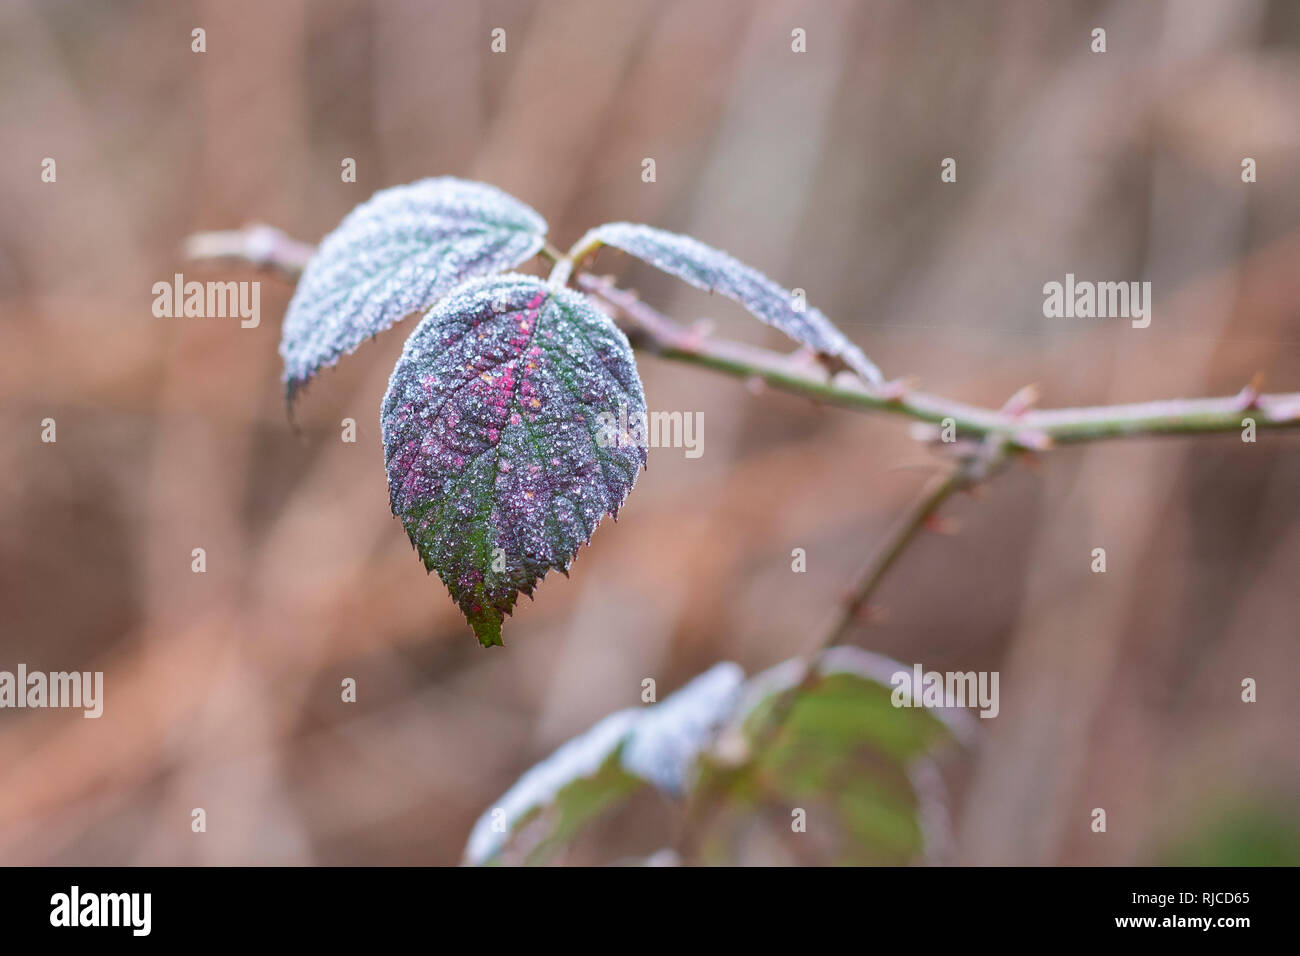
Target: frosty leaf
(668, 736)
(860, 768)
(553, 801)
(629, 750)
(501, 438)
(715, 271)
(397, 253)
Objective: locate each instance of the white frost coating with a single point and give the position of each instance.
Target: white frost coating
(395, 254)
(762, 685)
(580, 757)
(937, 841)
(660, 743)
(670, 734)
(489, 441)
(715, 271)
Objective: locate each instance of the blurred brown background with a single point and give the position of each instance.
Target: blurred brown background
(222, 689)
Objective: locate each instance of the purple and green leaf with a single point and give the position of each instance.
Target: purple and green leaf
(395, 254)
(497, 441)
(715, 271)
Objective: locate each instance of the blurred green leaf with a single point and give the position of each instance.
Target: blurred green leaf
(860, 769)
(856, 765)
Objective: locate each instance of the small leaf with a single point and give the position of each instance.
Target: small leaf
(395, 254)
(499, 441)
(715, 271)
(642, 746)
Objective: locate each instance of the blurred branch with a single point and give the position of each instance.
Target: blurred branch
(974, 466)
(937, 490)
(261, 245)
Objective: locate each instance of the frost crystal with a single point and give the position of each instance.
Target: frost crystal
(715, 271)
(670, 734)
(490, 437)
(395, 254)
(659, 744)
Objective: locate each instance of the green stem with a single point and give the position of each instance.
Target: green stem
(584, 247)
(560, 273)
(1025, 430)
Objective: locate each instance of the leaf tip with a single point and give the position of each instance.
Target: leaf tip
(487, 628)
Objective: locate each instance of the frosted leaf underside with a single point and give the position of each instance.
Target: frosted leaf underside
(497, 462)
(715, 271)
(655, 745)
(395, 254)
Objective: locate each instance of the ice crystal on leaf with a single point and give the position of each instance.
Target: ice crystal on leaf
(497, 465)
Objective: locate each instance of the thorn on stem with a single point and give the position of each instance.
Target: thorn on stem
(695, 334)
(1248, 397)
(897, 389)
(874, 614)
(942, 525)
(807, 358)
(871, 614)
(1022, 401)
(1031, 438)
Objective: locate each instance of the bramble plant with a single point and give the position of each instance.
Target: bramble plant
(495, 466)
(499, 473)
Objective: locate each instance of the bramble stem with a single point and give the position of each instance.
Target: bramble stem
(560, 273)
(263, 246)
(584, 247)
(1031, 429)
(937, 490)
(1028, 430)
